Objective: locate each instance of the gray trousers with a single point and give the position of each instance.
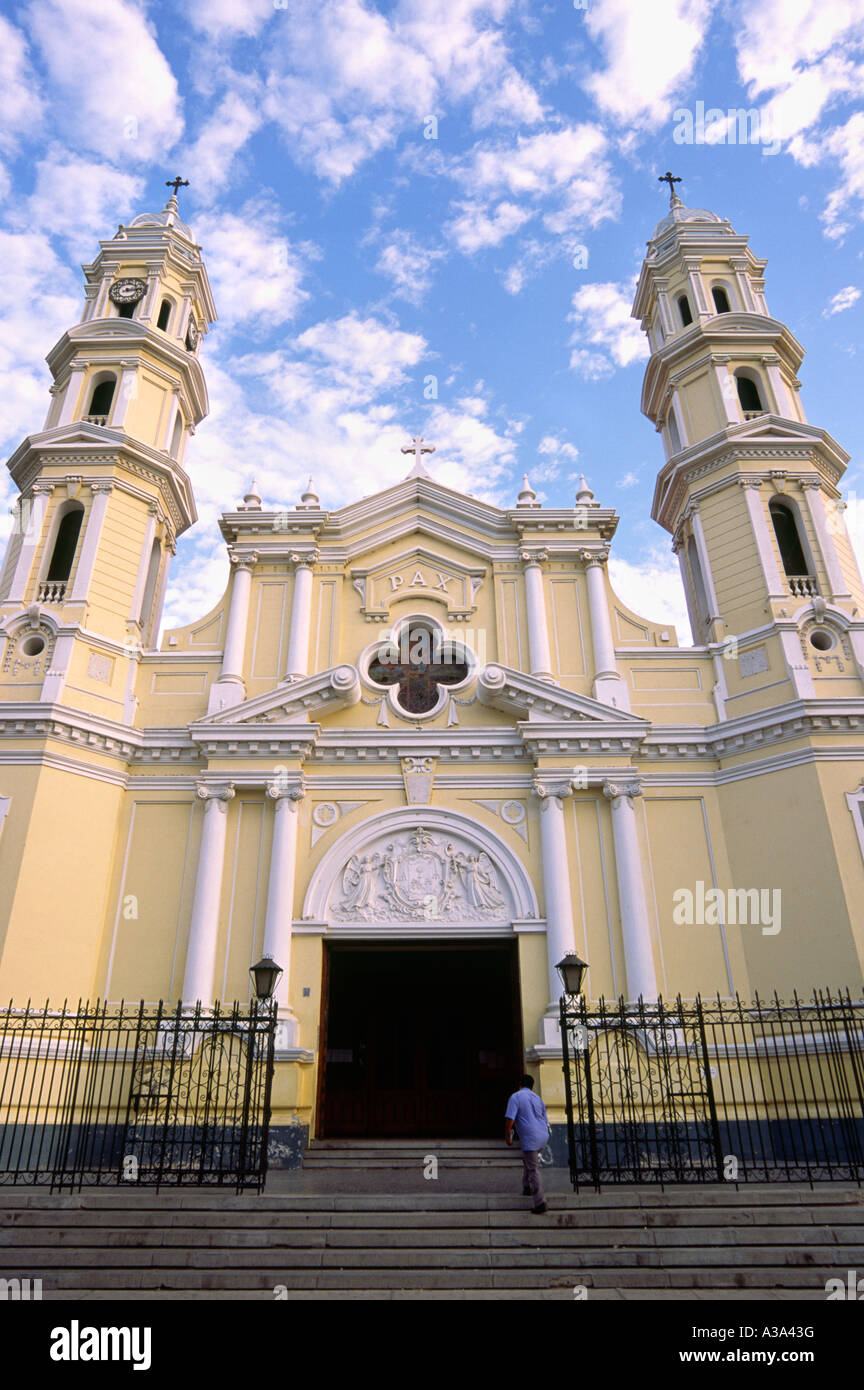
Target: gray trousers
(531, 1175)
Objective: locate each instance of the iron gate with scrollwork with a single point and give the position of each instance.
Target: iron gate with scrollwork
(714, 1091)
(104, 1094)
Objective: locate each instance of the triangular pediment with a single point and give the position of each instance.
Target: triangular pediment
(772, 427)
(526, 697)
(291, 701)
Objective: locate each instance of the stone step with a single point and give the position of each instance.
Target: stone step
(60, 1262)
(61, 1223)
(717, 1198)
(434, 1295)
(32, 1244)
(618, 1279)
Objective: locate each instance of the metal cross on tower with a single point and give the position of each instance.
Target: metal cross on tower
(175, 184)
(418, 449)
(671, 179)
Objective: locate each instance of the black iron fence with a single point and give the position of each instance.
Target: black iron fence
(718, 1091)
(107, 1094)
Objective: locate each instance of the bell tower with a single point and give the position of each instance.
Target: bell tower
(103, 491)
(749, 490)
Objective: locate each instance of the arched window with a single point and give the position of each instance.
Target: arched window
(65, 543)
(100, 401)
(788, 539)
(674, 434)
(721, 300)
(748, 395)
(164, 315)
(177, 436)
(684, 310)
(700, 593)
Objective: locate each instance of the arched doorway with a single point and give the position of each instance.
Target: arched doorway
(421, 1009)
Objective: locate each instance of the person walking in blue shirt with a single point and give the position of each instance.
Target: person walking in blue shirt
(526, 1114)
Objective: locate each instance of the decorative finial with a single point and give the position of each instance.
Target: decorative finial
(527, 497)
(418, 449)
(670, 178)
(309, 500)
(584, 497)
(252, 500)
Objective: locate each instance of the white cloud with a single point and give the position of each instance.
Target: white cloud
(229, 18)
(549, 444)
(408, 264)
(93, 198)
(651, 52)
(562, 175)
(657, 575)
(345, 81)
(843, 299)
(475, 228)
(605, 336)
(20, 102)
(818, 67)
(628, 480)
(110, 81)
(35, 288)
(213, 153)
(256, 271)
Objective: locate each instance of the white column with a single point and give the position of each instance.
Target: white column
(714, 614)
(556, 890)
(100, 492)
(745, 289)
(229, 689)
(71, 394)
(280, 897)
(297, 664)
(127, 390)
(101, 310)
(665, 307)
(145, 313)
(777, 588)
(144, 563)
(632, 899)
(539, 655)
(782, 404)
(31, 518)
(728, 390)
(816, 507)
(693, 267)
(608, 685)
(204, 927)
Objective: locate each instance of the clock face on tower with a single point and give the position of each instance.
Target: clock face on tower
(192, 335)
(127, 291)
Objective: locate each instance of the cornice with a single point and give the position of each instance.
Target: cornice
(631, 738)
(747, 446)
(80, 445)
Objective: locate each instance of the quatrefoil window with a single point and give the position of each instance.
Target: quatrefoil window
(418, 665)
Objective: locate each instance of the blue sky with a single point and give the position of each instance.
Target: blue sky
(353, 257)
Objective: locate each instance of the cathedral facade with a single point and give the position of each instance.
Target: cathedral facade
(420, 750)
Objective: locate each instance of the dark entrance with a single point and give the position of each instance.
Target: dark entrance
(419, 1041)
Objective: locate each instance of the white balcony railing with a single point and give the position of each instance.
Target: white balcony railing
(52, 591)
(753, 414)
(803, 585)
(96, 419)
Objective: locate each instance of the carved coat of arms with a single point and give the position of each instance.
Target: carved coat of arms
(420, 877)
